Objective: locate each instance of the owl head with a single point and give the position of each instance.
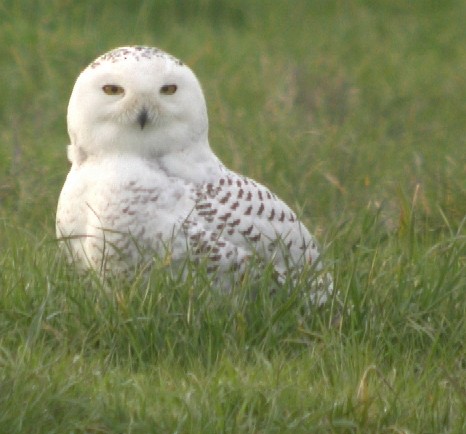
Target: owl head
(136, 100)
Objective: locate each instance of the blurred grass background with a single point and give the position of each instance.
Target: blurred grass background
(354, 113)
(333, 104)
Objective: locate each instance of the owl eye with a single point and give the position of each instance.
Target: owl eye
(113, 89)
(168, 89)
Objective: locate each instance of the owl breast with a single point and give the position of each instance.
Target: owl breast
(116, 213)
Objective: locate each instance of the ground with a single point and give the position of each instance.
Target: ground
(353, 112)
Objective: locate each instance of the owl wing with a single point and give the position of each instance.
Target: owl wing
(236, 218)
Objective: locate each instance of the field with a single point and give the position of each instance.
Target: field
(354, 113)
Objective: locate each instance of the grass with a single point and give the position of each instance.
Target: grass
(353, 112)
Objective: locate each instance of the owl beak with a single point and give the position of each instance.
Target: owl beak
(143, 117)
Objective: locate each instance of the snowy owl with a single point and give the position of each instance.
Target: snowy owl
(144, 182)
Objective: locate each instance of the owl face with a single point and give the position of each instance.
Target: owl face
(127, 102)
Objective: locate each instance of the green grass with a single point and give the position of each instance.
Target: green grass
(354, 113)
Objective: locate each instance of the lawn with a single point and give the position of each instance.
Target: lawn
(354, 113)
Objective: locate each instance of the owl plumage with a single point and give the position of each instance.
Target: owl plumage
(144, 181)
